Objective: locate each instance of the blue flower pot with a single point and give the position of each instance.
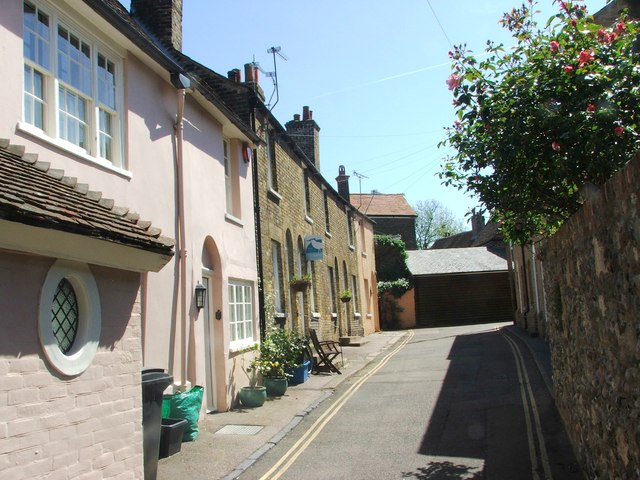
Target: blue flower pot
(300, 374)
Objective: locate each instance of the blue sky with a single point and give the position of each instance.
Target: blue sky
(373, 73)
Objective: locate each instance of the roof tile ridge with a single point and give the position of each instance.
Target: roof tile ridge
(18, 153)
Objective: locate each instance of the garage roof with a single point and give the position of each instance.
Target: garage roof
(455, 261)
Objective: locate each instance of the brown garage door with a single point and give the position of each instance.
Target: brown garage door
(463, 299)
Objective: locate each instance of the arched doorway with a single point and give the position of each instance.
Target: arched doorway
(213, 333)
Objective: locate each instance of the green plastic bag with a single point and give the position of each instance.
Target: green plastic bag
(186, 406)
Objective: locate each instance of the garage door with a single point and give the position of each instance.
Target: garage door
(463, 299)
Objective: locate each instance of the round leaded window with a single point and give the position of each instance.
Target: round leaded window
(64, 315)
(69, 321)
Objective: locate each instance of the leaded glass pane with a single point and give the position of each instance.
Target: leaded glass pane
(64, 315)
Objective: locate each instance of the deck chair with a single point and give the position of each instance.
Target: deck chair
(327, 350)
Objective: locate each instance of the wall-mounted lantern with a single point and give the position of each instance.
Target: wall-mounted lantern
(201, 295)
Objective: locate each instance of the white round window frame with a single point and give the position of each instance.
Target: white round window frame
(85, 345)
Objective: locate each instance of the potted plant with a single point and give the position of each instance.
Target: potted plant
(345, 296)
(280, 352)
(253, 395)
(299, 284)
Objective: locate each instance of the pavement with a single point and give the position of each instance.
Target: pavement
(230, 442)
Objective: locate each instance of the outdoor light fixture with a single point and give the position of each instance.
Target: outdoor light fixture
(201, 295)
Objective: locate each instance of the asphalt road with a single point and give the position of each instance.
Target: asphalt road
(449, 403)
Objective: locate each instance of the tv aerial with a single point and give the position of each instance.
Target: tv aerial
(276, 52)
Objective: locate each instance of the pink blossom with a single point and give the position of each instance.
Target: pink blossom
(591, 107)
(585, 57)
(555, 145)
(456, 124)
(620, 27)
(453, 81)
(604, 37)
(554, 46)
(619, 131)
(568, 69)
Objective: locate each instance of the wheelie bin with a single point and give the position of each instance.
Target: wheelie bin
(154, 382)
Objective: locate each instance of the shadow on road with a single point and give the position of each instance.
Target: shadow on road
(444, 471)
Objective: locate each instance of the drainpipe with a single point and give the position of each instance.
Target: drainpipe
(525, 311)
(182, 83)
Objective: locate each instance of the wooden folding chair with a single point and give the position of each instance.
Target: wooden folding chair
(327, 350)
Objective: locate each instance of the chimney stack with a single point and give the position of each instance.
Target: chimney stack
(343, 183)
(306, 134)
(477, 224)
(163, 18)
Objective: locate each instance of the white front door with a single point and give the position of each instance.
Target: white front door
(210, 370)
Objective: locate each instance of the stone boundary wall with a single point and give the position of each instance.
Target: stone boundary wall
(592, 288)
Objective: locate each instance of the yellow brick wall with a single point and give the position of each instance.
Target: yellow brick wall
(284, 213)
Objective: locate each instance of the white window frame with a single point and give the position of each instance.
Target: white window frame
(276, 261)
(241, 314)
(272, 165)
(85, 345)
(228, 176)
(95, 110)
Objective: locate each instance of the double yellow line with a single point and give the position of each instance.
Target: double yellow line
(309, 436)
(530, 410)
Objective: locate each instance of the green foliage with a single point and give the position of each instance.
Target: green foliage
(434, 221)
(281, 350)
(391, 258)
(344, 294)
(397, 288)
(391, 266)
(537, 123)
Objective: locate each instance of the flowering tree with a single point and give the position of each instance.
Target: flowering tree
(535, 124)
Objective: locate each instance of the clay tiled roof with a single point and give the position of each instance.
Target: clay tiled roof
(459, 240)
(33, 193)
(380, 205)
(489, 235)
(455, 261)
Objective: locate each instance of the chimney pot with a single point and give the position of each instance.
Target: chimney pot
(250, 73)
(306, 115)
(343, 183)
(234, 75)
(296, 117)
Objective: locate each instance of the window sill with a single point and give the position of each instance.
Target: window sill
(315, 315)
(308, 219)
(327, 234)
(357, 315)
(352, 248)
(71, 149)
(364, 254)
(273, 195)
(241, 346)
(235, 220)
(369, 315)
